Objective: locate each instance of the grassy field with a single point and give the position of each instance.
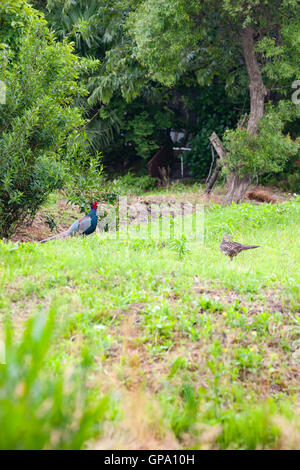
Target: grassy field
(181, 346)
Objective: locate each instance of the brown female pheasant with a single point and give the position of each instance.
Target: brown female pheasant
(232, 249)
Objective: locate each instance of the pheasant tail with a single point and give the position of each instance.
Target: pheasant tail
(55, 237)
(250, 247)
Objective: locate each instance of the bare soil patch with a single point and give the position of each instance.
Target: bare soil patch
(64, 214)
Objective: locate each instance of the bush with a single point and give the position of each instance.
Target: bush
(267, 151)
(86, 183)
(40, 409)
(136, 184)
(215, 112)
(288, 179)
(37, 120)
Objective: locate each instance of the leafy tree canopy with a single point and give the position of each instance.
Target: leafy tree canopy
(247, 41)
(175, 36)
(41, 132)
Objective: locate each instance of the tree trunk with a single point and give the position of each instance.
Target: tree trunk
(219, 148)
(238, 186)
(257, 88)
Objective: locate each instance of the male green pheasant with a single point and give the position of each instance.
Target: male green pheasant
(84, 226)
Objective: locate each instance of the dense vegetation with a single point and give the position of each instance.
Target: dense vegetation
(189, 76)
(120, 96)
(121, 339)
(41, 132)
(177, 346)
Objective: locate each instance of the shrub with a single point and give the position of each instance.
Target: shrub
(136, 184)
(37, 120)
(215, 112)
(267, 151)
(288, 179)
(86, 182)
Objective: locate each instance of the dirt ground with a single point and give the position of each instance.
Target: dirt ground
(64, 215)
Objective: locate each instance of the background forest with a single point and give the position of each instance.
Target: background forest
(120, 97)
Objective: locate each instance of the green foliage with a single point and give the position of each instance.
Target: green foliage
(79, 22)
(264, 152)
(180, 246)
(249, 430)
(163, 34)
(98, 32)
(130, 183)
(172, 41)
(50, 221)
(175, 39)
(138, 130)
(37, 121)
(86, 182)
(41, 409)
(144, 126)
(184, 416)
(215, 112)
(282, 57)
(247, 358)
(288, 179)
(16, 17)
(126, 111)
(198, 338)
(177, 36)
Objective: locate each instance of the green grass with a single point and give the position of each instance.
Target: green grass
(195, 351)
(142, 185)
